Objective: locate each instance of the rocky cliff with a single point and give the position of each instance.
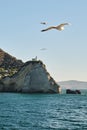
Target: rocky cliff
(31, 78)
(9, 62)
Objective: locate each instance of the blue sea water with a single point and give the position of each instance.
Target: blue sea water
(43, 111)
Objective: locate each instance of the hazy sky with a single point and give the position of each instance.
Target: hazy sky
(21, 36)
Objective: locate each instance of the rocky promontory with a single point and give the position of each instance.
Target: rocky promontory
(32, 77)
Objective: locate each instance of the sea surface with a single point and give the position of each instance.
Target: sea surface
(43, 111)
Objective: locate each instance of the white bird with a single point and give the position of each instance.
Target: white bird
(59, 27)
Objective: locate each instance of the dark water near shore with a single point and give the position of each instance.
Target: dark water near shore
(43, 111)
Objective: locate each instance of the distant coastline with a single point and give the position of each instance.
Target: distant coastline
(73, 84)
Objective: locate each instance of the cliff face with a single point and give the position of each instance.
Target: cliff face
(31, 78)
(8, 62)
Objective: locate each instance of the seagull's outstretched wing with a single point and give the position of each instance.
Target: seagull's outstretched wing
(63, 24)
(52, 27)
(60, 27)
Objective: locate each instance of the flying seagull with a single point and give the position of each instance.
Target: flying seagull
(43, 49)
(43, 23)
(59, 27)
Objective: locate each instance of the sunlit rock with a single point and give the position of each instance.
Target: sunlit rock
(31, 78)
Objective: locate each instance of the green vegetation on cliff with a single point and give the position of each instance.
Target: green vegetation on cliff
(9, 65)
